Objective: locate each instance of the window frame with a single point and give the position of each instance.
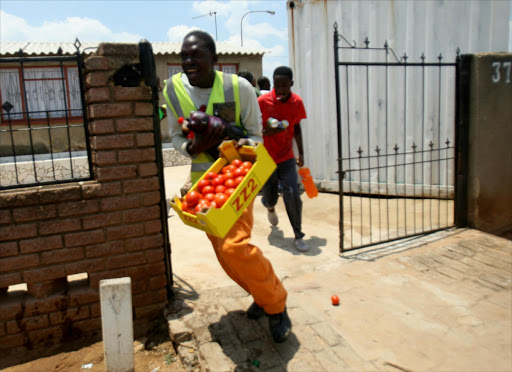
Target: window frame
(75, 114)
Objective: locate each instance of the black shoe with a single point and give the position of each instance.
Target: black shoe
(255, 311)
(280, 326)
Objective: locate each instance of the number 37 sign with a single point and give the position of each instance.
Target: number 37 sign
(501, 71)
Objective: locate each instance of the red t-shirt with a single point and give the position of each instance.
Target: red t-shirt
(280, 146)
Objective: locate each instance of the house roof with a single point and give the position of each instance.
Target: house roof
(41, 48)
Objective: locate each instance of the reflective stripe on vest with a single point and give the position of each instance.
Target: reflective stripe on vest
(225, 89)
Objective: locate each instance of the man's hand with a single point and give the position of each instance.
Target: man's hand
(212, 137)
(269, 131)
(245, 142)
(300, 160)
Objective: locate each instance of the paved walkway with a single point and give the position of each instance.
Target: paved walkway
(442, 302)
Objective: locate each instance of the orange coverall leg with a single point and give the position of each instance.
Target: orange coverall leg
(246, 265)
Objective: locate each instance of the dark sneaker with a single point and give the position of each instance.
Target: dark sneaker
(255, 311)
(280, 326)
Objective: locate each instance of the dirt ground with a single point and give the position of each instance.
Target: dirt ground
(154, 354)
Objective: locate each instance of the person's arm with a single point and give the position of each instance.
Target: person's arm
(178, 139)
(250, 113)
(297, 134)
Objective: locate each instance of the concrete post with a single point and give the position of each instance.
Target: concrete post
(117, 324)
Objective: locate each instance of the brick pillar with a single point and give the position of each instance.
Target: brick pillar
(122, 144)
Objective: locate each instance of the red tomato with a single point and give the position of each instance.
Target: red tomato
(228, 168)
(220, 189)
(228, 175)
(208, 189)
(210, 196)
(219, 180)
(246, 164)
(220, 199)
(230, 191)
(210, 175)
(245, 170)
(238, 172)
(202, 183)
(184, 206)
(230, 183)
(239, 180)
(192, 198)
(213, 204)
(202, 206)
(236, 162)
(335, 300)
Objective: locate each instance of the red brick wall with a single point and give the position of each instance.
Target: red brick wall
(107, 228)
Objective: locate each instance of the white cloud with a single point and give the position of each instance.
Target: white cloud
(14, 28)
(177, 33)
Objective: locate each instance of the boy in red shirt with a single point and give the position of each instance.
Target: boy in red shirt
(282, 104)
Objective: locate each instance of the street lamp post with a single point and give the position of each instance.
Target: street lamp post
(252, 11)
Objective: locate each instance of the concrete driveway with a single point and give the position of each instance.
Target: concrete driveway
(442, 302)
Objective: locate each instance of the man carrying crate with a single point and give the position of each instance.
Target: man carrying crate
(200, 85)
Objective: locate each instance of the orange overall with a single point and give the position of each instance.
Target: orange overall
(246, 265)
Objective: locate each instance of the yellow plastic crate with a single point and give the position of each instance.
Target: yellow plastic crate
(218, 221)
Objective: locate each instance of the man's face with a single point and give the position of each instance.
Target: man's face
(197, 62)
(282, 86)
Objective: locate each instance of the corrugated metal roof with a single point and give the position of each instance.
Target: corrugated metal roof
(39, 48)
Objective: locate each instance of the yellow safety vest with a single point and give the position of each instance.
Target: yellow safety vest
(225, 89)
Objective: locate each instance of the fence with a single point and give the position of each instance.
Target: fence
(43, 124)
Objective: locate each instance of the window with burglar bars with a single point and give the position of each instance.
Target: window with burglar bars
(43, 136)
(47, 91)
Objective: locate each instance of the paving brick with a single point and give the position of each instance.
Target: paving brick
(247, 329)
(237, 352)
(493, 261)
(264, 351)
(203, 334)
(325, 331)
(348, 356)
(178, 330)
(309, 338)
(214, 357)
(300, 316)
(303, 362)
(330, 361)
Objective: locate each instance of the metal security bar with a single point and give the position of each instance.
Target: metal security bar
(396, 138)
(44, 135)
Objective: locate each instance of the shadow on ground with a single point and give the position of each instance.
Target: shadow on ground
(248, 343)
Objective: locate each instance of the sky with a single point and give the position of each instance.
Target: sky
(163, 20)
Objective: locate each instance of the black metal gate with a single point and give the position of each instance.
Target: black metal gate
(396, 145)
(148, 71)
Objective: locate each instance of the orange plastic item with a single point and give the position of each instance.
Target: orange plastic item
(307, 181)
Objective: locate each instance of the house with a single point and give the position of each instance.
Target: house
(38, 91)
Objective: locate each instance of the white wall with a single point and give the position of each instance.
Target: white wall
(413, 27)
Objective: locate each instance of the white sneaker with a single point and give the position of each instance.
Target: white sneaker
(301, 245)
(272, 217)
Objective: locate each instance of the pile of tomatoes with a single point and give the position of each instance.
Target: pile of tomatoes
(214, 189)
